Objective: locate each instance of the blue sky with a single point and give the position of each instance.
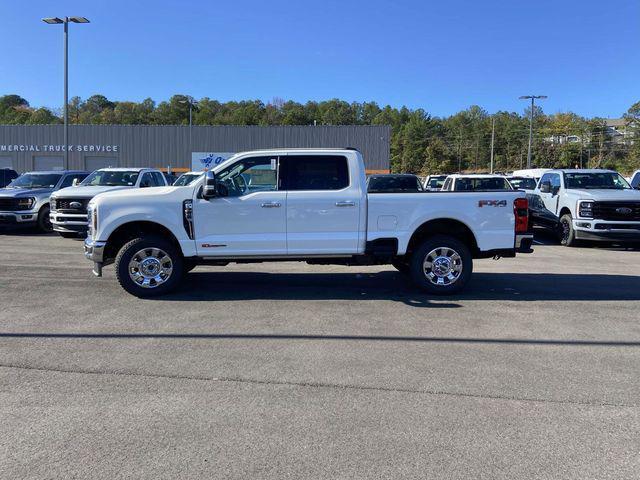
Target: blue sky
(438, 55)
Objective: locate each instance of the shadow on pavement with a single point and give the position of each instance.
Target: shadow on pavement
(546, 237)
(367, 338)
(393, 286)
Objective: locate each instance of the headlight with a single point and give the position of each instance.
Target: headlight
(92, 219)
(585, 209)
(26, 203)
(52, 204)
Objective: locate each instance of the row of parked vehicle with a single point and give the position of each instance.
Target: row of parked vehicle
(57, 200)
(315, 205)
(575, 204)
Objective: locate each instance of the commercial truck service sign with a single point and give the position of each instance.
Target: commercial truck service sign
(58, 148)
(202, 160)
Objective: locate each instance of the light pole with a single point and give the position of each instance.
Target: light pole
(533, 98)
(191, 104)
(65, 21)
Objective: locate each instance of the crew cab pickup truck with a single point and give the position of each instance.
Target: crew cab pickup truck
(69, 205)
(586, 205)
(299, 205)
(25, 201)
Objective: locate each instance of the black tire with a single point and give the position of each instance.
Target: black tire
(566, 234)
(131, 250)
(401, 264)
(44, 222)
(451, 253)
(68, 234)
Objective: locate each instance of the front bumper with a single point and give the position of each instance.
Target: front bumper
(18, 218)
(69, 222)
(606, 231)
(94, 251)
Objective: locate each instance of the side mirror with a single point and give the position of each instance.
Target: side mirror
(545, 187)
(209, 188)
(75, 182)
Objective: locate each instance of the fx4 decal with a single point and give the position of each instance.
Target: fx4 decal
(492, 203)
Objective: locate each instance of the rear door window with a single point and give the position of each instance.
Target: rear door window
(315, 172)
(159, 179)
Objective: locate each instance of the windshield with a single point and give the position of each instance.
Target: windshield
(111, 178)
(481, 184)
(186, 179)
(394, 184)
(524, 183)
(596, 180)
(36, 180)
(436, 182)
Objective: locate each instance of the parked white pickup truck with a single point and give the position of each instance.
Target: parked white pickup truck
(69, 205)
(303, 205)
(587, 205)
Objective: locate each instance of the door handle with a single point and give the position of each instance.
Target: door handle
(271, 205)
(346, 204)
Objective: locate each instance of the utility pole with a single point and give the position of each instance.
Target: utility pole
(65, 21)
(460, 152)
(493, 137)
(533, 98)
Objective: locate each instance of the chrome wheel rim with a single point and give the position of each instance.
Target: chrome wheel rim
(442, 266)
(150, 267)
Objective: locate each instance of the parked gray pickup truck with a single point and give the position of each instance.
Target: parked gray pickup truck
(25, 201)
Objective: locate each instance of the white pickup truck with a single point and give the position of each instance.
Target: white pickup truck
(299, 205)
(587, 204)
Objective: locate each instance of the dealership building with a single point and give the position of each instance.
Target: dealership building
(41, 147)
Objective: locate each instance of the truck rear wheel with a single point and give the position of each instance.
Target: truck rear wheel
(149, 266)
(442, 265)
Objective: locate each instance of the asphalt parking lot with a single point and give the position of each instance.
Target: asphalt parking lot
(295, 371)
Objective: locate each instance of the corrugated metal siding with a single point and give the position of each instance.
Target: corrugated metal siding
(154, 146)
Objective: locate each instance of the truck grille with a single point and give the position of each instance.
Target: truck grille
(63, 205)
(8, 204)
(617, 211)
(11, 205)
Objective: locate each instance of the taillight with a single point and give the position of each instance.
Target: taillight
(521, 212)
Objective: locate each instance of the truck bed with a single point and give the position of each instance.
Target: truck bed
(399, 215)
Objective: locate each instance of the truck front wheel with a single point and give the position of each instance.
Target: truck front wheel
(567, 233)
(44, 223)
(149, 266)
(442, 265)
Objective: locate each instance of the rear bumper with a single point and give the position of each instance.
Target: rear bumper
(524, 242)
